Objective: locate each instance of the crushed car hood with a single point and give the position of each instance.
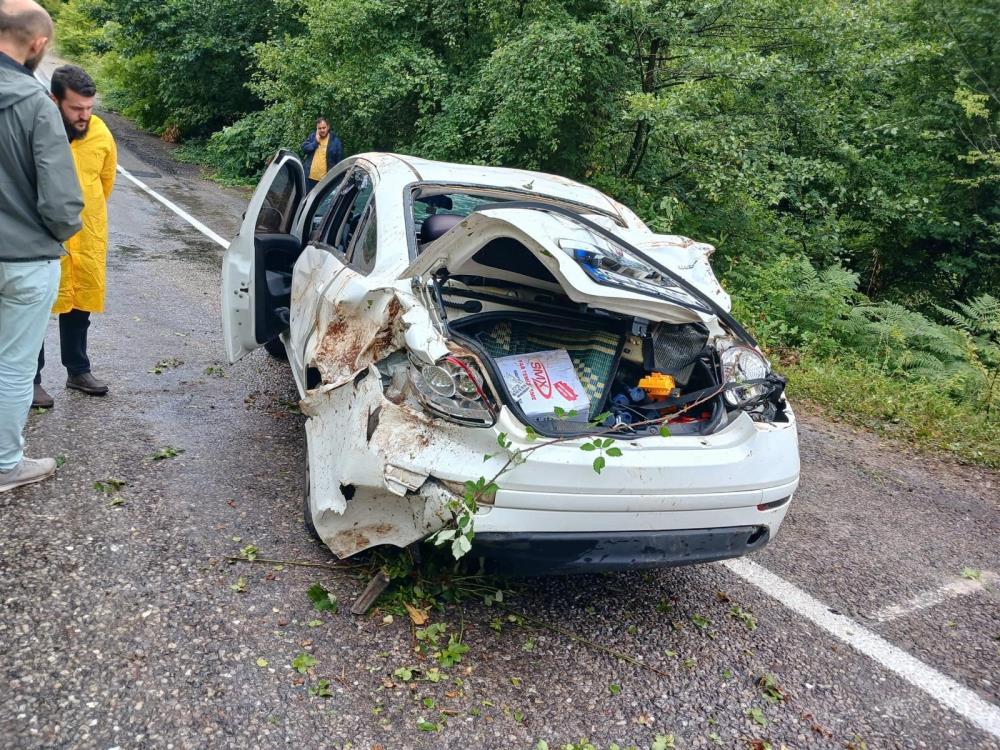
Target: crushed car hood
(558, 242)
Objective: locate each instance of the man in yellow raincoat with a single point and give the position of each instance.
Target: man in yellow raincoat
(82, 285)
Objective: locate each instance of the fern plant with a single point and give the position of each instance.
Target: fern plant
(979, 318)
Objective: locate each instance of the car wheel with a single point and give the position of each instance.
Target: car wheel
(276, 349)
(307, 516)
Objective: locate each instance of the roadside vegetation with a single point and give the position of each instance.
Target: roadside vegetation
(844, 158)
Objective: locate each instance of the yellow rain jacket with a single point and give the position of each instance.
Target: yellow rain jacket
(82, 284)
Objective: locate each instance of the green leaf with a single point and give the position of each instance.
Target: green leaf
(262, 662)
(747, 618)
(403, 673)
(323, 600)
(240, 586)
(314, 623)
(166, 452)
(460, 546)
(973, 574)
(428, 702)
(757, 715)
(614, 452)
(664, 431)
(599, 464)
(249, 552)
(700, 621)
(303, 662)
(614, 689)
(588, 447)
(321, 689)
(108, 486)
(452, 654)
(426, 726)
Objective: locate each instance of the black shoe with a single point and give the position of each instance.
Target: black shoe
(88, 384)
(41, 399)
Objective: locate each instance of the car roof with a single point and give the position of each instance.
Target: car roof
(553, 186)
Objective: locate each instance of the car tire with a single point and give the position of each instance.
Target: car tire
(276, 348)
(307, 517)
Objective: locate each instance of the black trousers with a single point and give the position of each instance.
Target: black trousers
(73, 327)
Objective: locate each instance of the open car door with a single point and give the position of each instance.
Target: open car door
(257, 267)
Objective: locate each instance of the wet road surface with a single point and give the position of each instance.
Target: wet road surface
(122, 625)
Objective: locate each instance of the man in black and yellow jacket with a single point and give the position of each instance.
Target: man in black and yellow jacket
(323, 150)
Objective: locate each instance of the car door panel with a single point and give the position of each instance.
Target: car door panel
(244, 279)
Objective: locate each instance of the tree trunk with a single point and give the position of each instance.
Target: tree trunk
(640, 140)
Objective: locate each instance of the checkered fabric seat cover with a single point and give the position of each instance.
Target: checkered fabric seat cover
(593, 353)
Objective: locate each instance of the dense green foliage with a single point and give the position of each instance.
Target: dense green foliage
(178, 66)
(843, 156)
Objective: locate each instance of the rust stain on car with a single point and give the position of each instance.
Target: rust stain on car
(351, 343)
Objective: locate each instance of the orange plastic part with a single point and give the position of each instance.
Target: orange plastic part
(657, 385)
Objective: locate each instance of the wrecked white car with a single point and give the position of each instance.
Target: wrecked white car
(428, 310)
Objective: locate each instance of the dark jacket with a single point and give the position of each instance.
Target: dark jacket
(334, 151)
(41, 200)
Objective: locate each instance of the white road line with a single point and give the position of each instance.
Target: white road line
(943, 689)
(925, 599)
(175, 208)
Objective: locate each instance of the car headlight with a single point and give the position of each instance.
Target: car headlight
(741, 364)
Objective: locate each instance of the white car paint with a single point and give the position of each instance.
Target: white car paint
(382, 469)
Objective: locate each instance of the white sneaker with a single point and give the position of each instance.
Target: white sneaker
(28, 471)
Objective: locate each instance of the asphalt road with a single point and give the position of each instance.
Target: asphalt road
(121, 626)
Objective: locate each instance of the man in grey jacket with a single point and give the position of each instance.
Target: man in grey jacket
(40, 209)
